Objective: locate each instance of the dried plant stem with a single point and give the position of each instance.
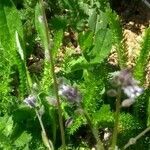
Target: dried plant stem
(99, 144)
(133, 140)
(47, 141)
(54, 78)
(146, 3)
(115, 130)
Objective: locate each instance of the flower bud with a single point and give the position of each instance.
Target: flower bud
(70, 93)
(68, 122)
(112, 93)
(127, 102)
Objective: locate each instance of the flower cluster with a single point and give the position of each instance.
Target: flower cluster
(124, 80)
(30, 101)
(70, 93)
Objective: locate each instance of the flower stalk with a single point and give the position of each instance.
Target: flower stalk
(46, 141)
(31, 102)
(124, 82)
(53, 75)
(115, 130)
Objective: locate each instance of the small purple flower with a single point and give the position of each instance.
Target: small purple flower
(127, 83)
(70, 93)
(30, 101)
(112, 93)
(132, 91)
(124, 80)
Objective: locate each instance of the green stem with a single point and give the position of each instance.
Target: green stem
(47, 142)
(54, 79)
(29, 80)
(115, 130)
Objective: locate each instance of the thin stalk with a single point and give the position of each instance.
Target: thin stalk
(58, 102)
(115, 130)
(99, 144)
(54, 79)
(133, 140)
(47, 142)
(29, 80)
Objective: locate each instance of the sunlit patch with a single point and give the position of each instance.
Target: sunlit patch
(40, 18)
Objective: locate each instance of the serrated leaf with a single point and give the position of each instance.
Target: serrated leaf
(23, 140)
(58, 36)
(9, 24)
(6, 125)
(142, 60)
(103, 115)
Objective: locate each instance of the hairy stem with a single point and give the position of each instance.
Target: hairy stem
(54, 78)
(47, 141)
(115, 130)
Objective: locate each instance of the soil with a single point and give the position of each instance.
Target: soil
(135, 18)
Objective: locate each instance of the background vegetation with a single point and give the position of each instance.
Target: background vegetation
(68, 41)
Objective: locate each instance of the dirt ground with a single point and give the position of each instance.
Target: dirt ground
(135, 19)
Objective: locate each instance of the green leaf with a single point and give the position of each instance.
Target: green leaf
(104, 115)
(102, 46)
(93, 20)
(117, 36)
(58, 36)
(142, 61)
(20, 50)
(6, 125)
(86, 40)
(23, 139)
(75, 65)
(41, 27)
(9, 24)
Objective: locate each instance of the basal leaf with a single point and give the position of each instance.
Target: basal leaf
(9, 24)
(41, 27)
